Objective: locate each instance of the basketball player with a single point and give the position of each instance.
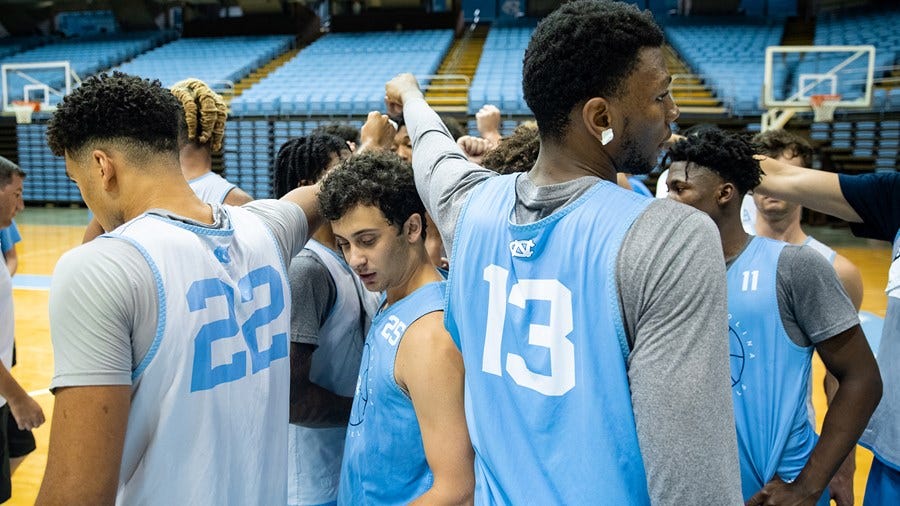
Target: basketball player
(14, 401)
(871, 203)
(9, 236)
(784, 301)
(330, 316)
(205, 113)
(407, 439)
(169, 332)
(590, 325)
(778, 219)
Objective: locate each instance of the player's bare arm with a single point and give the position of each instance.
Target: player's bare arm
(306, 198)
(430, 369)
(817, 190)
(848, 357)
(237, 197)
(86, 445)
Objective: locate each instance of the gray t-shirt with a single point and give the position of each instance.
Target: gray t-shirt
(313, 295)
(103, 301)
(811, 299)
(671, 279)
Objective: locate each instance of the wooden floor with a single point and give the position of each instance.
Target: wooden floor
(49, 233)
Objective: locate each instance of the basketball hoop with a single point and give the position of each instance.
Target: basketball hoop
(24, 109)
(823, 106)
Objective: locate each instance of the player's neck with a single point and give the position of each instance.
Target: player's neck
(734, 238)
(787, 229)
(420, 272)
(561, 162)
(325, 236)
(195, 161)
(162, 190)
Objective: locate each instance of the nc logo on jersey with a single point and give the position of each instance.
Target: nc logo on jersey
(522, 249)
(221, 254)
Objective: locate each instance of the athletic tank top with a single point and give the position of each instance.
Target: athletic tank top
(210, 398)
(769, 373)
(314, 455)
(384, 457)
(534, 309)
(821, 248)
(211, 188)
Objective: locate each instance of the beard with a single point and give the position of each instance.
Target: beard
(633, 161)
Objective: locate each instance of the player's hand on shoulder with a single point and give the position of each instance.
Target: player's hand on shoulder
(398, 90)
(27, 412)
(779, 493)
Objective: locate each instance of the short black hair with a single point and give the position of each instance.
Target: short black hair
(304, 158)
(7, 170)
(347, 132)
(727, 154)
(584, 49)
(516, 153)
(117, 107)
(376, 178)
(774, 143)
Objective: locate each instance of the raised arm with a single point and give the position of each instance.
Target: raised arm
(444, 176)
(430, 368)
(307, 198)
(814, 189)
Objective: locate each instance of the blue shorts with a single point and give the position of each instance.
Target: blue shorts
(883, 487)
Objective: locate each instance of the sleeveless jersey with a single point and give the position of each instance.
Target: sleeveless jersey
(534, 309)
(882, 436)
(211, 188)
(210, 399)
(821, 248)
(314, 455)
(384, 457)
(769, 373)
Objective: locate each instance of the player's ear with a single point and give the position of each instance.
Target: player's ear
(726, 193)
(412, 228)
(104, 163)
(596, 115)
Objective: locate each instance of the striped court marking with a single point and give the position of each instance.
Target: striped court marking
(31, 282)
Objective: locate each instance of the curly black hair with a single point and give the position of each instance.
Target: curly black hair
(7, 170)
(516, 153)
(304, 158)
(117, 107)
(375, 178)
(584, 49)
(347, 132)
(774, 143)
(727, 154)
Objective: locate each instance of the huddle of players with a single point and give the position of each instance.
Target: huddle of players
(590, 320)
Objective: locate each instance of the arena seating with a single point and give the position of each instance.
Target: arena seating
(855, 146)
(343, 74)
(217, 61)
(47, 179)
(251, 146)
(498, 80)
(87, 56)
(730, 57)
(12, 45)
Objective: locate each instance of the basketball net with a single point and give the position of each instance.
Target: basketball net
(823, 106)
(24, 110)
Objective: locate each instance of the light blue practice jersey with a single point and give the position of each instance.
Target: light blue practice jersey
(209, 402)
(384, 458)
(535, 311)
(769, 373)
